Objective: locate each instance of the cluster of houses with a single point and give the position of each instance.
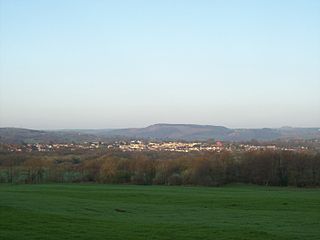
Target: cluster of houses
(139, 146)
(171, 146)
(44, 147)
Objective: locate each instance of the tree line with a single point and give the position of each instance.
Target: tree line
(275, 168)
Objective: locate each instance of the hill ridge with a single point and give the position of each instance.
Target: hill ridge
(159, 131)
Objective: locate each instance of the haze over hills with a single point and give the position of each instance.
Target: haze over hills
(188, 132)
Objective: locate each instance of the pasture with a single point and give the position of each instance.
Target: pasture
(93, 211)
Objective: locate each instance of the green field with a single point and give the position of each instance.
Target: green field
(158, 212)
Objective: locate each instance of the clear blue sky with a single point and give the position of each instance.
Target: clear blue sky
(109, 64)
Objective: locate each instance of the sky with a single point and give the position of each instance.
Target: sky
(114, 64)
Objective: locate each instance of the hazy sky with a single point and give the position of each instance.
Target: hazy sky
(108, 64)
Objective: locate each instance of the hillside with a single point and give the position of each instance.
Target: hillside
(205, 132)
(21, 135)
(188, 132)
(175, 131)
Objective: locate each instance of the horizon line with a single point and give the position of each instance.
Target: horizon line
(116, 128)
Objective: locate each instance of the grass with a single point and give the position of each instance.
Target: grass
(70, 211)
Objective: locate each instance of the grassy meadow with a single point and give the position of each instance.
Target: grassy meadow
(84, 211)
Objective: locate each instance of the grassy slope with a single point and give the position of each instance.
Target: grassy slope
(158, 212)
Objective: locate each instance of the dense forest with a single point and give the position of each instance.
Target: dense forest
(276, 168)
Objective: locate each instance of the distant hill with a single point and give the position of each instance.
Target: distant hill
(205, 132)
(188, 132)
(175, 131)
(21, 135)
